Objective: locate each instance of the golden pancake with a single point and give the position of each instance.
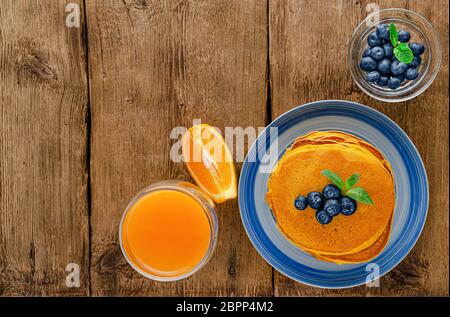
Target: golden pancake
(346, 239)
(361, 256)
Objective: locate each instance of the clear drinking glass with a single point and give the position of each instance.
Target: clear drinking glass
(200, 198)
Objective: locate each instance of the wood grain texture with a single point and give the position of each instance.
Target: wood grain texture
(156, 65)
(309, 38)
(43, 177)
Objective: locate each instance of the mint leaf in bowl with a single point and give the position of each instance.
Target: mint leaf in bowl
(403, 53)
(393, 34)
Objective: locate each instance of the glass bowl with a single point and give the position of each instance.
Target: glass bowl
(421, 31)
(208, 208)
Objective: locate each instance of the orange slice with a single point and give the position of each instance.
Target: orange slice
(210, 162)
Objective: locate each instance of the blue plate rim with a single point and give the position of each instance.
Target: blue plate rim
(337, 103)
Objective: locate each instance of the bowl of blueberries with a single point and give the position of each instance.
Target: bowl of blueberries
(394, 55)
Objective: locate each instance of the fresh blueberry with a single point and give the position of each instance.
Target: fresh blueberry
(388, 50)
(373, 39)
(383, 32)
(411, 74)
(331, 191)
(404, 36)
(348, 206)
(300, 202)
(400, 77)
(417, 48)
(377, 53)
(384, 66)
(332, 207)
(398, 67)
(315, 200)
(416, 62)
(322, 217)
(373, 76)
(368, 64)
(394, 82)
(366, 52)
(382, 81)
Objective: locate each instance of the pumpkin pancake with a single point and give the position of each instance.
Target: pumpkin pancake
(354, 238)
(361, 256)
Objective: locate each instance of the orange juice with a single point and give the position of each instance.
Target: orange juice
(166, 233)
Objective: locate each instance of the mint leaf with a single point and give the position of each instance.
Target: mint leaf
(351, 181)
(404, 53)
(334, 178)
(393, 35)
(360, 195)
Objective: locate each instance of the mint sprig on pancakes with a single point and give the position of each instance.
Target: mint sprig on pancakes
(347, 188)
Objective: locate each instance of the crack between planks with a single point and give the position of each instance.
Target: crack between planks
(269, 94)
(88, 148)
(269, 98)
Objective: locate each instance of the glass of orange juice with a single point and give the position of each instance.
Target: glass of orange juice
(169, 231)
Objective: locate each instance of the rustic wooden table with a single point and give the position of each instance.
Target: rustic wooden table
(86, 114)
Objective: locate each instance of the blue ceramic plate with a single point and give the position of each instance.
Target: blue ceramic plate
(411, 187)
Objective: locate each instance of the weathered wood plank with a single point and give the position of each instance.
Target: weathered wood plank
(156, 65)
(43, 175)
(308, 46)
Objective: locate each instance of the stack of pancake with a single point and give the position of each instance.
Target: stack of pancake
(347, 239)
